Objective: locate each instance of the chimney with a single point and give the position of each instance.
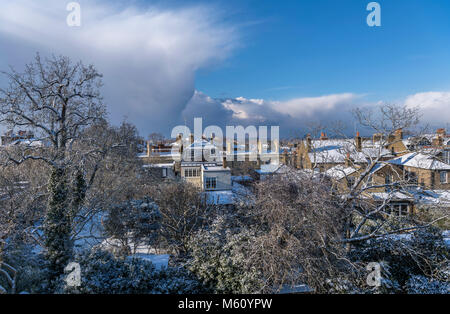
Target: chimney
(323, 136)
(358, 142)
(438, 141)
(348, 161)
(260, 147)
(377, 137)
(309, 143)
(398, 134)
(441, 132)
(225, 165)
(191, 138)
(285, 157)
(229, 151)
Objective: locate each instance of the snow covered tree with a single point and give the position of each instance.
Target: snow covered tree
(133, 223)
(105, 274)
(183, 213)
(221, 258)
(56, 100)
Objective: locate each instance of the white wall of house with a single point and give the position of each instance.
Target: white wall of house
(223, 179)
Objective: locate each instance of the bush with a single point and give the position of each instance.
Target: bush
(102, 273)
(424, 285)
(31, 275)
(417, 258)
(219, 258)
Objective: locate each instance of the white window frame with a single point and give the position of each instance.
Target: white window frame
(191, 173)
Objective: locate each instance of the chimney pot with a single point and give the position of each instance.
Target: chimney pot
(323, 136)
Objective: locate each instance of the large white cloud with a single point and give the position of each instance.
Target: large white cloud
(434, 107)
(148, 55)
(297, 116)
(293, 116)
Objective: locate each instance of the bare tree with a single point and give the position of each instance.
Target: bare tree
(156, 138)
(55, 99)
(299, 226)
(183, 212)
(364, 213)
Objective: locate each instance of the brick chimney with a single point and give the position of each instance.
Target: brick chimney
(191, 138)
(398, 134)
(377, 137)
(348, 160)
(225, 164)
(441, 132)
(358, 142)
(438, 141)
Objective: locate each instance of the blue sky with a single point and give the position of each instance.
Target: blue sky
(242, 62)
(311, 48)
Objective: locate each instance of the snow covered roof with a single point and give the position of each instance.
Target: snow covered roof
(200, 144)
(219, 197)
(339, 172)
(419, 160)
(273, 168)
(162, 165)
(336, 150)
(214, 168)
(393, 196)
(432, 197)
(28, 142)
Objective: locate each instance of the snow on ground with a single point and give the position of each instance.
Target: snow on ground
(219, 197)
(91, 234)
(159, 261)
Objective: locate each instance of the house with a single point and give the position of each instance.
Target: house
(424, 170)
(396, 203)
(439, 140)
(25, 138)
(203, 164)
(324, 154)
